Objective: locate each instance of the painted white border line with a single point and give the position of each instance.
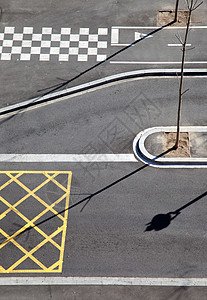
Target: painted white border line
(177, 162)
(73, 158)
(178, 45)
(128, 281)
(157, 62)
(86, 86)
(156, 27)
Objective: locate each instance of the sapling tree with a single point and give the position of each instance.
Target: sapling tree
(191, 5)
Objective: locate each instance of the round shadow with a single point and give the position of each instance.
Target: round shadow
(159, 222)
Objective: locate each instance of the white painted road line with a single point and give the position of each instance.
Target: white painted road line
(178, 45)
(127, 281)
(156, 27)
(114, 36)
(157, 62)
(73, 158)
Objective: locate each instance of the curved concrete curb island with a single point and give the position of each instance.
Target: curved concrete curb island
(101, 82)
(158, 161)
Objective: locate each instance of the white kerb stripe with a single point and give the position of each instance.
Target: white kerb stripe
(128, 281)
(76, 158)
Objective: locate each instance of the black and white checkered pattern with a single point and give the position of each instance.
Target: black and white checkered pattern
(22, 46)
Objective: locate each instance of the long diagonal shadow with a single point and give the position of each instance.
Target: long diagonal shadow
(88, 198)
(63, 84)
(162, 221)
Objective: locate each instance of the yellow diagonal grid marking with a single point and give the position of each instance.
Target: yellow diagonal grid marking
(24, 198)
(47, 239)
(31, 193)
(29, 224)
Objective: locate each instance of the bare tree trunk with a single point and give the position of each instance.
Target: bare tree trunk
(191, 6)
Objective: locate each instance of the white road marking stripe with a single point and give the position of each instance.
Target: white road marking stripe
(177, 45)
(128, 281)
(156, 27)
(114, 36)
(73, 158)
(157, 62)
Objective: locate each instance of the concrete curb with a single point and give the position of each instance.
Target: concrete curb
(100, 82)
(141, 152)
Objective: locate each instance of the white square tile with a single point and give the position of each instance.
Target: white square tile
(92, 51)
(73, 51)
(64, 44)
(18, 37)
(65, 30)
(103, 31)
(63, 57)
(28, 30)
(54, 50)
(7, 43)
(102, 44)
(37, 37)
(25, 56)
(83, 44)
(26, 43)
(1, 36)
(44, 57)
(82, 57)
(84, 31)
(6, 56)
(35, 50)
(93, 38)
(46, 30)
(101, 57)
(55, 37)
(9, 29)
(45, 44)
(16, 50)
(74, 37)
(0, 49)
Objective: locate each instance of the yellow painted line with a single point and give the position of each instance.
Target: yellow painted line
(57, 183)
(24, 198)
(24, 251)
(36, 197)
(8, 182)
(29, 223)
(29, 254)
(50, 175)
(65, 222)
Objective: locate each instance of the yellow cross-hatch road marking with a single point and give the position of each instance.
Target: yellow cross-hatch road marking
(32, 232)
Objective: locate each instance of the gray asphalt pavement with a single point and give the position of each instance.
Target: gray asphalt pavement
(25, 76)
(108, 237)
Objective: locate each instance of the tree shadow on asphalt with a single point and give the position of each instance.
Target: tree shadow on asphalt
(158, 222)
(85, 200)
(162, 221)
(65, 82)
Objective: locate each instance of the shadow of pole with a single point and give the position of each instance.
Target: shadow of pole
(162, 221)
(56, 87)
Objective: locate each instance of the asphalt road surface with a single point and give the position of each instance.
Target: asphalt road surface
(108, 237)
(44, 43)
(39, 236)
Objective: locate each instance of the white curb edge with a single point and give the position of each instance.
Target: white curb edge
(142, 154)
(126, 75)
